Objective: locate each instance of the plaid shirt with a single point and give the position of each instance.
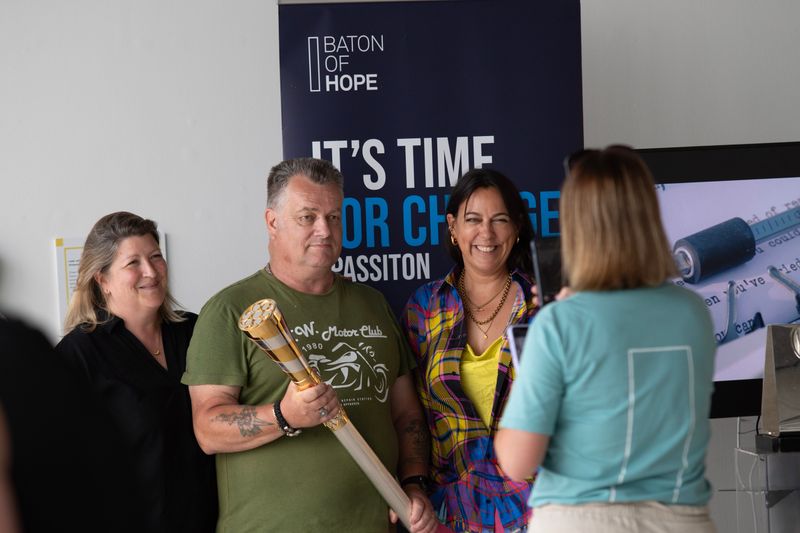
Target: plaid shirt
(469, 487)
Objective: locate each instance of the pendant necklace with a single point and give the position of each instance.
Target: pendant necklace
(463, 292)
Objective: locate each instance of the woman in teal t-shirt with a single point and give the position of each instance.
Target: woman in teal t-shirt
(614, 389)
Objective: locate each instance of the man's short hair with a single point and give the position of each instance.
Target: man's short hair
(317, 170)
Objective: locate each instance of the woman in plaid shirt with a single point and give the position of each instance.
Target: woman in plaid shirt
(456, 328)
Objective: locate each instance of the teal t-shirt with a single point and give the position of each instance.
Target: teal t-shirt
(310, 482)
(621, 381)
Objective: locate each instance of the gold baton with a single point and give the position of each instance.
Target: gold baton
(263, 323)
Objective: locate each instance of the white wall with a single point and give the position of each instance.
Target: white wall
(172, 110)
(167, 109)
(687, 72)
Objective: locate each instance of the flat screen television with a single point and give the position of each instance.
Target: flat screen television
(732, 214)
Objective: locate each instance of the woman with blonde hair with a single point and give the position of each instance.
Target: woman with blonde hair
(128, 340)
(613, 395)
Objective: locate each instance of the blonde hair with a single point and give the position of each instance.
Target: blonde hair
(98, 254)
(611, 231)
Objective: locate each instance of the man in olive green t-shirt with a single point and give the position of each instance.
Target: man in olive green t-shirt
(271, 477)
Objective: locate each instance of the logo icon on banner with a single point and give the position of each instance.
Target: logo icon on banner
(331, 67)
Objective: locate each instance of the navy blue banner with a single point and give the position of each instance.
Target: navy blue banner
(405, 97)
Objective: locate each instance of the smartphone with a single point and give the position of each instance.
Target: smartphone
(516, 340)
(537, 274)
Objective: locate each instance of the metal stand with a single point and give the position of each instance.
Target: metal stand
(767, 491)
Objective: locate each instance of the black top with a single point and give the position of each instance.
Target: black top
(69, 468)
(153, 411)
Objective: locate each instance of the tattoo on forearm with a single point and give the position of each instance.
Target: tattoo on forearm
(249, 424)
(419, 442)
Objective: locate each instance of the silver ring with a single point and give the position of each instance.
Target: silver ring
(323, 412)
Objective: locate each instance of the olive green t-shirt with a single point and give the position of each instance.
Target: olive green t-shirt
(309, 482)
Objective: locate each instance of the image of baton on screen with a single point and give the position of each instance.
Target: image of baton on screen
(728, 244)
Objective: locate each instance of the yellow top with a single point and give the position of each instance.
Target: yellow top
(479, 377)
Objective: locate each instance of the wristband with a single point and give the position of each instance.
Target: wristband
(288, 430)
(422, 481)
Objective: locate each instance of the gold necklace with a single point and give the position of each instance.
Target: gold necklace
(482, 307)
(463, 292)
(485, 332)
(157, 351)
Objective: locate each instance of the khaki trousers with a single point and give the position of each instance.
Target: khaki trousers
(638, 517)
